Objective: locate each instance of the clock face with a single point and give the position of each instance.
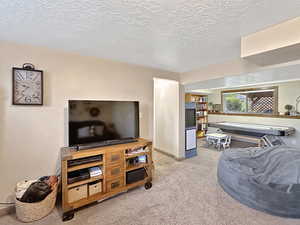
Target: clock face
(28, 87)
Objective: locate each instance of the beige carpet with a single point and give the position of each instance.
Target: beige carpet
(184, 193)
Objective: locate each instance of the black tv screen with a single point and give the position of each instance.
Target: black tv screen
(190, 118)
(99, 121)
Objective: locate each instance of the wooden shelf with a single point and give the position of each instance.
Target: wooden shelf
(136, 167)
(201, 111)
(138, 183)
(129, 156)
(83, 166)
(89, 199)
(92, 179)
(200, 137)
(103, 195)
(190, 97)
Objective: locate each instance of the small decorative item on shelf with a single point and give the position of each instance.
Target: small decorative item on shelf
(288, 108)
(210, 106)
(217, 107)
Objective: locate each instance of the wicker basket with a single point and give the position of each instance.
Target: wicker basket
(28, 212)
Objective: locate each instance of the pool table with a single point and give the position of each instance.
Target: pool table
(257, 130)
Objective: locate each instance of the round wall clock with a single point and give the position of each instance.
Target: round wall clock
(94, 112)
(27, 86)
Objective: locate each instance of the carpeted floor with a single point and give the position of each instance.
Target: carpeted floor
(183, 193)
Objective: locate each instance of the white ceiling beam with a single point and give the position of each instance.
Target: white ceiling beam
(277, 44)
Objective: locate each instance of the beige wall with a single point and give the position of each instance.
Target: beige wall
(31, 137)
(287, 94)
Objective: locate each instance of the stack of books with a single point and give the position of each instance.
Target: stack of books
(95, 171)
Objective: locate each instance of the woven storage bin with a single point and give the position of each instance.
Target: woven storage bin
(28, 212)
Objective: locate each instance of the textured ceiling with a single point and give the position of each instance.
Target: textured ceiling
(175, 35)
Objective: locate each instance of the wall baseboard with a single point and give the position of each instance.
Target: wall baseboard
(7, 210)
(168, 154)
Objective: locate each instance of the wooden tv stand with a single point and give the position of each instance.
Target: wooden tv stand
(114, 164)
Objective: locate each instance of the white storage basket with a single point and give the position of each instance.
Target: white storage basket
(28, 212)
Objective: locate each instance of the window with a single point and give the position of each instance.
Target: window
(257, 101)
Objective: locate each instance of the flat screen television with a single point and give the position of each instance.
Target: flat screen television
(102, 121)
(190, 118)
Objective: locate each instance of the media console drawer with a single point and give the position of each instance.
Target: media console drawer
(115, 171)
(115, 157)
(115, 184)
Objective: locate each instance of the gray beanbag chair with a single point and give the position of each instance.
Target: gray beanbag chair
(267, 179)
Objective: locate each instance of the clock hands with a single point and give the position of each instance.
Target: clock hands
(25, 86)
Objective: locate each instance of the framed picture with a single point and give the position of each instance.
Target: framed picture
(27, 86)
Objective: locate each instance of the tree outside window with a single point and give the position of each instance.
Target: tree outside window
(257, 101)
